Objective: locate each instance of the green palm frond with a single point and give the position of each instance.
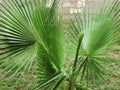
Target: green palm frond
(51, 55)
(50, 33)
(30, 30)
(48, 77)
(17, 38)
(100, 30)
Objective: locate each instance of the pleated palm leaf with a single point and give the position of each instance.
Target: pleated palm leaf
(100, 27)
(29, 31)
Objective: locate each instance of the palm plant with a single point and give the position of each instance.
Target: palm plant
(31, 33)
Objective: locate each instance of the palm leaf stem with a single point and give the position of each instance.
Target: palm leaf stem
(77, 52)
(76, 58)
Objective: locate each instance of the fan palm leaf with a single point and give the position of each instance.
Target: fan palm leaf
(100, 28)
(16, 35)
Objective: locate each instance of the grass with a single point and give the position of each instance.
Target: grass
(27, 82)
(112, 77)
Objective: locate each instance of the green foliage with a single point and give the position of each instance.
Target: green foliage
(32, 38)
